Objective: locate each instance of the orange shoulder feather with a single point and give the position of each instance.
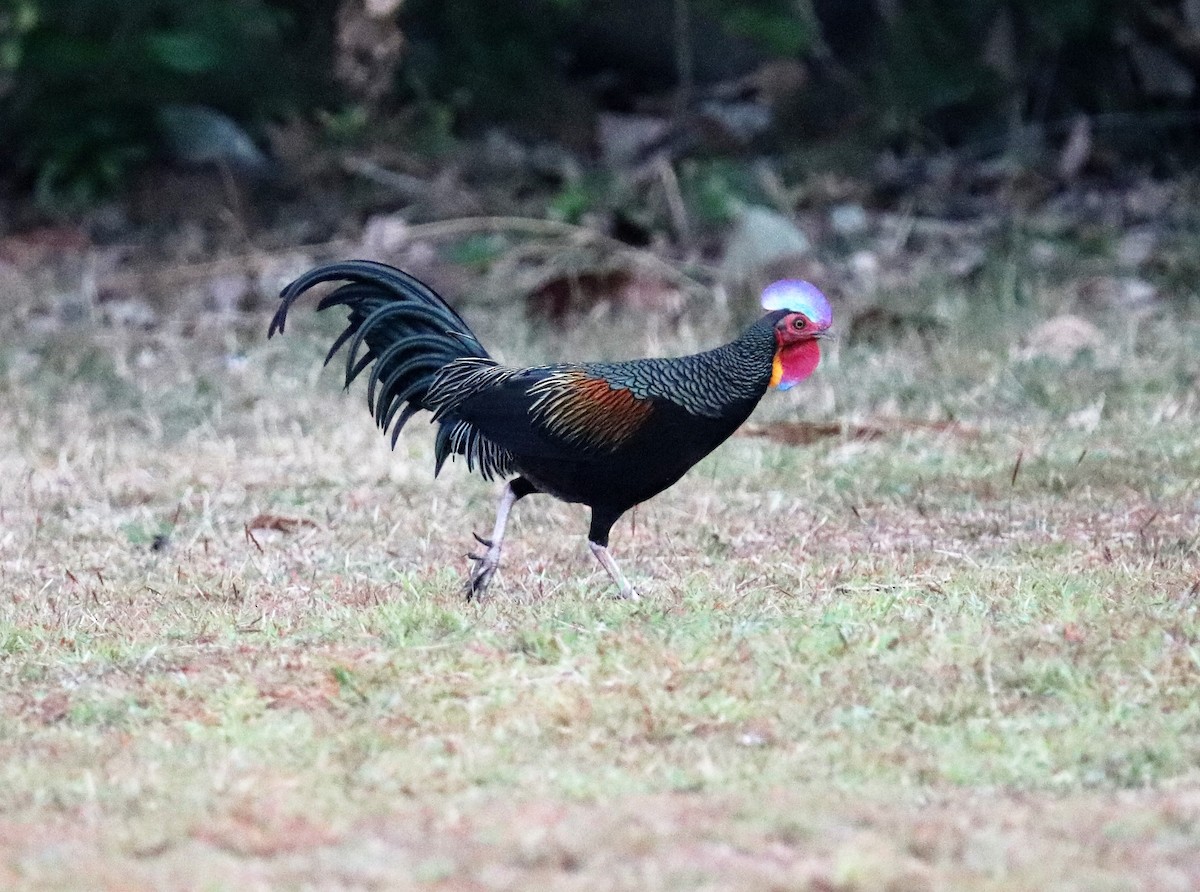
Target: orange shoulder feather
(588, 411)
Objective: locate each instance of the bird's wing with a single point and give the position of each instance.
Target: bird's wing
(561, 412)
(583, 409)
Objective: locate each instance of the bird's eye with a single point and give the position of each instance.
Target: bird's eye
(799, 322)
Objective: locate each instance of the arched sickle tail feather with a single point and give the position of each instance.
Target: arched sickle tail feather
(408, 331)
(386, 278)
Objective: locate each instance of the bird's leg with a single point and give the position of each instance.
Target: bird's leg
(607, 562)
(486, 563)
(602, 521)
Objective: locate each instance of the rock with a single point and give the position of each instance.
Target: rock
(761, 237)
(848, 219)
(1136, 247)
(733, 123)
(624, 139)
(384, 235)
(199, 135)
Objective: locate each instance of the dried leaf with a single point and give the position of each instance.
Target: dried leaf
(805, 433)
(279, 522)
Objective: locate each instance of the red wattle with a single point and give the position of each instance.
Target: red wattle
(799, 361)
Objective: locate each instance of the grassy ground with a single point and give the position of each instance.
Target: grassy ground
(960, 656)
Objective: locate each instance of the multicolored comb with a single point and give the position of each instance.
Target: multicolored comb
(798, 296)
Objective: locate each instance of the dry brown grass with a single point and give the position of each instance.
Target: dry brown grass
(895, 662)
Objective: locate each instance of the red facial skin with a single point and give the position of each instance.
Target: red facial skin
(797, 350)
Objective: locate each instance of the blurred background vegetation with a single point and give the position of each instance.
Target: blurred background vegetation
(92, 92)
(169, 154)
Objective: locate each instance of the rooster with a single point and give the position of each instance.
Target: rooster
(605, 434)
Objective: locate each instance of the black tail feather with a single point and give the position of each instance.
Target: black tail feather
(367, 272)
(409, 411)
(409, 333)
(346, 335)
(425, 345)
(354, 369)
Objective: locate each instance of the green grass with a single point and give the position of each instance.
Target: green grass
(958, 656)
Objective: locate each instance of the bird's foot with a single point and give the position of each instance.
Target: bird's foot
(484, 569)
(627, 593)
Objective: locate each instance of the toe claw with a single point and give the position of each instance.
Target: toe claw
(477, 584)
(483, 568)
(480, 575)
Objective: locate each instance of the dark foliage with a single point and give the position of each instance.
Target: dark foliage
(84, 85)
(88, 81)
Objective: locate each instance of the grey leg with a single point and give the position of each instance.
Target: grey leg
(487, 563)
(607, 562)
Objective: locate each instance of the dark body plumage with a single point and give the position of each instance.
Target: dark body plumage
(605, 434)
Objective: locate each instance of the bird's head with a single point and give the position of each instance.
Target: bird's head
(802, 318)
